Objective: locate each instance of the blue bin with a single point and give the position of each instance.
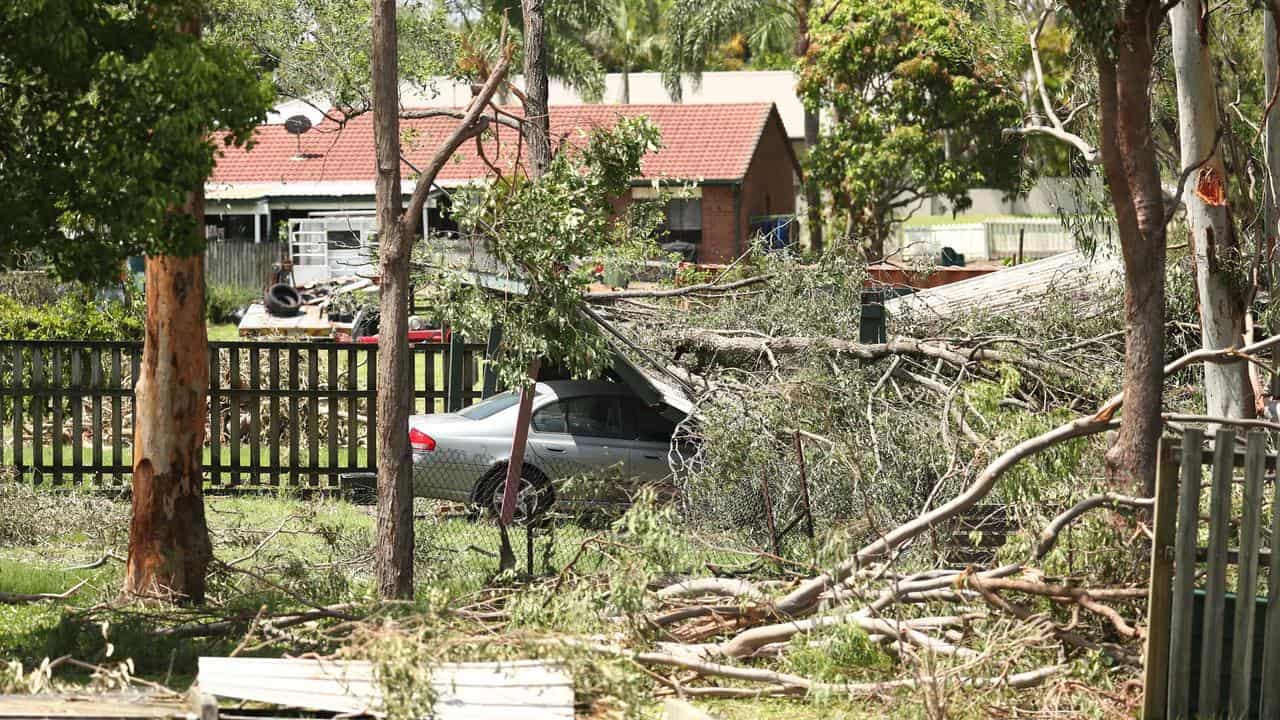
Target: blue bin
(775, 231)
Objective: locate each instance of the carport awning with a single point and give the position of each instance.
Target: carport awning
(648, 386)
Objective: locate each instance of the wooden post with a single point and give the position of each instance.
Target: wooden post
(454, 391)
(1247, 577)
(1156, 657)
(1022, 233)
(490, 385)
(1216, 574)
(1180, 624)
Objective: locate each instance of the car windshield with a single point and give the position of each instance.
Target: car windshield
(491, 406)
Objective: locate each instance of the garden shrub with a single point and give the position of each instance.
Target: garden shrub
(222, 301)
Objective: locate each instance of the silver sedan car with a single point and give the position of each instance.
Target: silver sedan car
(589, 442)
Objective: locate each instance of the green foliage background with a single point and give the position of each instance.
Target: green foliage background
(112, 117)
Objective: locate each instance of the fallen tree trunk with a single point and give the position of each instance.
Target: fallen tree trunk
(714, 348)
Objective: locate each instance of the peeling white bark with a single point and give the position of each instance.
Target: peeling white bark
(1213, 242)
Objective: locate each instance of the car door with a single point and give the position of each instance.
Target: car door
(581, 437)
(651, 441)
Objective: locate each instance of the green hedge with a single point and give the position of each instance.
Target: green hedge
(77, 315)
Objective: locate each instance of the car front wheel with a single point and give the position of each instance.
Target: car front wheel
(533, 499)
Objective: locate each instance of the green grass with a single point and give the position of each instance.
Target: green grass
(321, 549)
(223, 332)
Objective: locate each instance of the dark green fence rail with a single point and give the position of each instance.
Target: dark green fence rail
(281, 414)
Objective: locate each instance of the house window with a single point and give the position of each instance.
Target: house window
(684, 220)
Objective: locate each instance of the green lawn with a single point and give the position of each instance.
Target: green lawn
(224, 332)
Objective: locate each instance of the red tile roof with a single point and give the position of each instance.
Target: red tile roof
(700, 142)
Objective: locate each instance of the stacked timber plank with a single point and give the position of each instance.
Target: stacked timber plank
(513, 690)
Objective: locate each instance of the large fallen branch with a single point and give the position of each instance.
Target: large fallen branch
(1049, 537)
(806, 595)
(701, 288)
(747, 350)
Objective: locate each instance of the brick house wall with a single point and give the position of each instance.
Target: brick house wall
(767, 188)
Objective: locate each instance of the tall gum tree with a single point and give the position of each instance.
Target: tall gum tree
(1214, 243)
(1122, 36)
(113, 114)
(397, 228)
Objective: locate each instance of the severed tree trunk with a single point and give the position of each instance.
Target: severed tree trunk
(537, 133)
(394, 548)
(1213, 240)
(1133, 177)
(1271, 151)
(169, 546)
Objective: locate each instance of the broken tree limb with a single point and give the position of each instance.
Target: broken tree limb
(1049, 537)
(806, 595)
(727, 587)
(786, 683)
(1060, 593)
(219, 628)
(610, 295)
(747, 642)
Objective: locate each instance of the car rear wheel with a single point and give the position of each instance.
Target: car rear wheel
(533, 499)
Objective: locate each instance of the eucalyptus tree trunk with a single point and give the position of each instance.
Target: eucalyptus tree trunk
(394, 547)
(169, 548)
(1213, 241)
(1133, 176)
(535, 81)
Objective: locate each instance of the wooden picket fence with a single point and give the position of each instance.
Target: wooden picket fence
(244, 265)
(281, 414)
(1209, 653)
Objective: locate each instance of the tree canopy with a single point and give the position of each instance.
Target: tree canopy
(318, 50)
(914, 112)
(110, 119)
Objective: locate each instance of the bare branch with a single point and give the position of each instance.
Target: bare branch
(473, 123)
(16, 598)
(1056, 128)
(1049, 537)
(608, 295)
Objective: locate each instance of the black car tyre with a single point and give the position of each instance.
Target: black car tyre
(282, 300)
(534, 500)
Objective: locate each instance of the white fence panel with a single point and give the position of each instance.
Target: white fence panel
(967, 239)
